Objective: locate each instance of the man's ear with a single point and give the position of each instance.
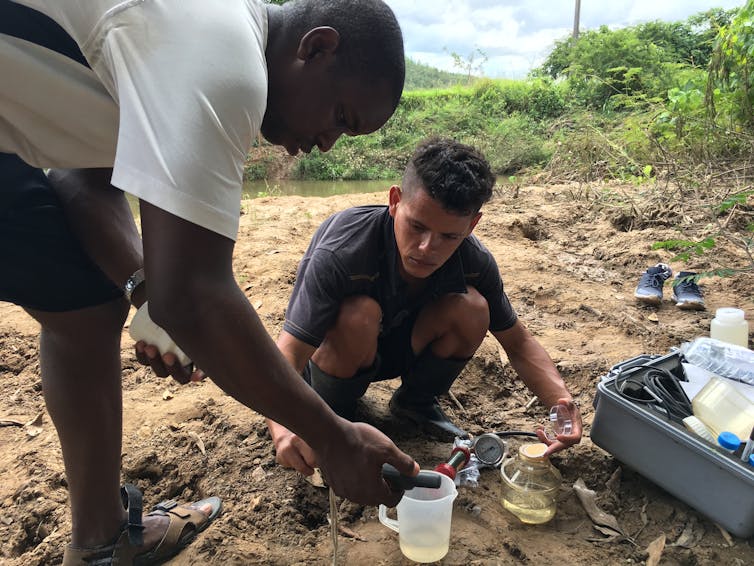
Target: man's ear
(323, 40)
(394, 199)
(474, 222)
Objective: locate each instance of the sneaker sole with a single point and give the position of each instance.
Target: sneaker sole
(690, 306)
(648, 300)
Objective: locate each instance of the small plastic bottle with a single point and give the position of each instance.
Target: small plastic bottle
(729, 441)
(729, 325)
(143, 328)
(530, 484)
(721, 407)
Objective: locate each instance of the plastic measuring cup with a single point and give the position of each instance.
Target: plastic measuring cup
(423, 524)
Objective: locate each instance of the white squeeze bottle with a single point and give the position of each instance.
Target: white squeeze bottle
(729, 325)
(143, 328)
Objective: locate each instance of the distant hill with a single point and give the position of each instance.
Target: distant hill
(420, 76)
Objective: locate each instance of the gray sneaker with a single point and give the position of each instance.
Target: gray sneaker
(686, 292)
(649, 290)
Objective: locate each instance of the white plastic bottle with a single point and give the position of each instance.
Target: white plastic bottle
(143, 328)
(721, 407)
(729, 325)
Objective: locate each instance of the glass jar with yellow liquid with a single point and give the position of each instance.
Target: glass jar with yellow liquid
(530, 484)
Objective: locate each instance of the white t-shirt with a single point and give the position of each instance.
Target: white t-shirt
(174, 98)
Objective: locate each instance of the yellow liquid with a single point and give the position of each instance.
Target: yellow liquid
(423, 545)
(529, 506)
(529, 515)
(721, 407)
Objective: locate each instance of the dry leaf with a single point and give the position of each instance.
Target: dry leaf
(612, 533)
(199, 442)
(10, 422)
(351, 534)
(613, 484)
(272, 252)
(686, 539)
(610, 539)
(316, 479)
(257, 305)
(653, 317)
(654, 550)
(34, 426)
(588, 499)
(167, 395)
(725, 534)
(644, 518)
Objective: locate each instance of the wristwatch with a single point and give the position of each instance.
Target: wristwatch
(132, 283)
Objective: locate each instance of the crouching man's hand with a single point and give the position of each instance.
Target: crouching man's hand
(563, 441)
(291, 451)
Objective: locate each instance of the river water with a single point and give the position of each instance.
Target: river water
(255, 189)
(258, 189)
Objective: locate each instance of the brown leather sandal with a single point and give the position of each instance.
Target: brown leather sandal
(185, 522)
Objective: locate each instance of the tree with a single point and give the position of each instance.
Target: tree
(473, 63)
(641, 60)
(420, 76)
(730, 69)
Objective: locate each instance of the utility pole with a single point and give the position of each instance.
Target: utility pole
(576, 17)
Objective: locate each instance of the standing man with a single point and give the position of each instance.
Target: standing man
(406, 290)
(170, 95)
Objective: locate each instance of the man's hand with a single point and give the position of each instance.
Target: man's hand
(292, 452)
(352, 464)
(166, 364)
(563, 441)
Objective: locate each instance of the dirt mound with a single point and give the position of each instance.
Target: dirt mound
(570, 273)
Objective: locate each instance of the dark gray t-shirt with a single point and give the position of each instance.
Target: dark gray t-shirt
(354, 253)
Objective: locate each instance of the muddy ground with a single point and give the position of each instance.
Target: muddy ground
(570, 269)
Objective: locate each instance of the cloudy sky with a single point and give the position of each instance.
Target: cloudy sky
(516, 35)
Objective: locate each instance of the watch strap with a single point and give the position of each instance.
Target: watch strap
(136, 279)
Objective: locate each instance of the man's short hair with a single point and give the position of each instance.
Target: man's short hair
(371, 42)
(456, 175)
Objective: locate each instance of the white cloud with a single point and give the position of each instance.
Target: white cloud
(517, 35)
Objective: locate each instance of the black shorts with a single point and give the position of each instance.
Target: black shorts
(42, 264)
(395, 355)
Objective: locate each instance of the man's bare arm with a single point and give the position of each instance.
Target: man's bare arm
(100, 217)
(532, 364)
(537, 370)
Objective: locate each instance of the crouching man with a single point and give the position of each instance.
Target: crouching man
(406, 290)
